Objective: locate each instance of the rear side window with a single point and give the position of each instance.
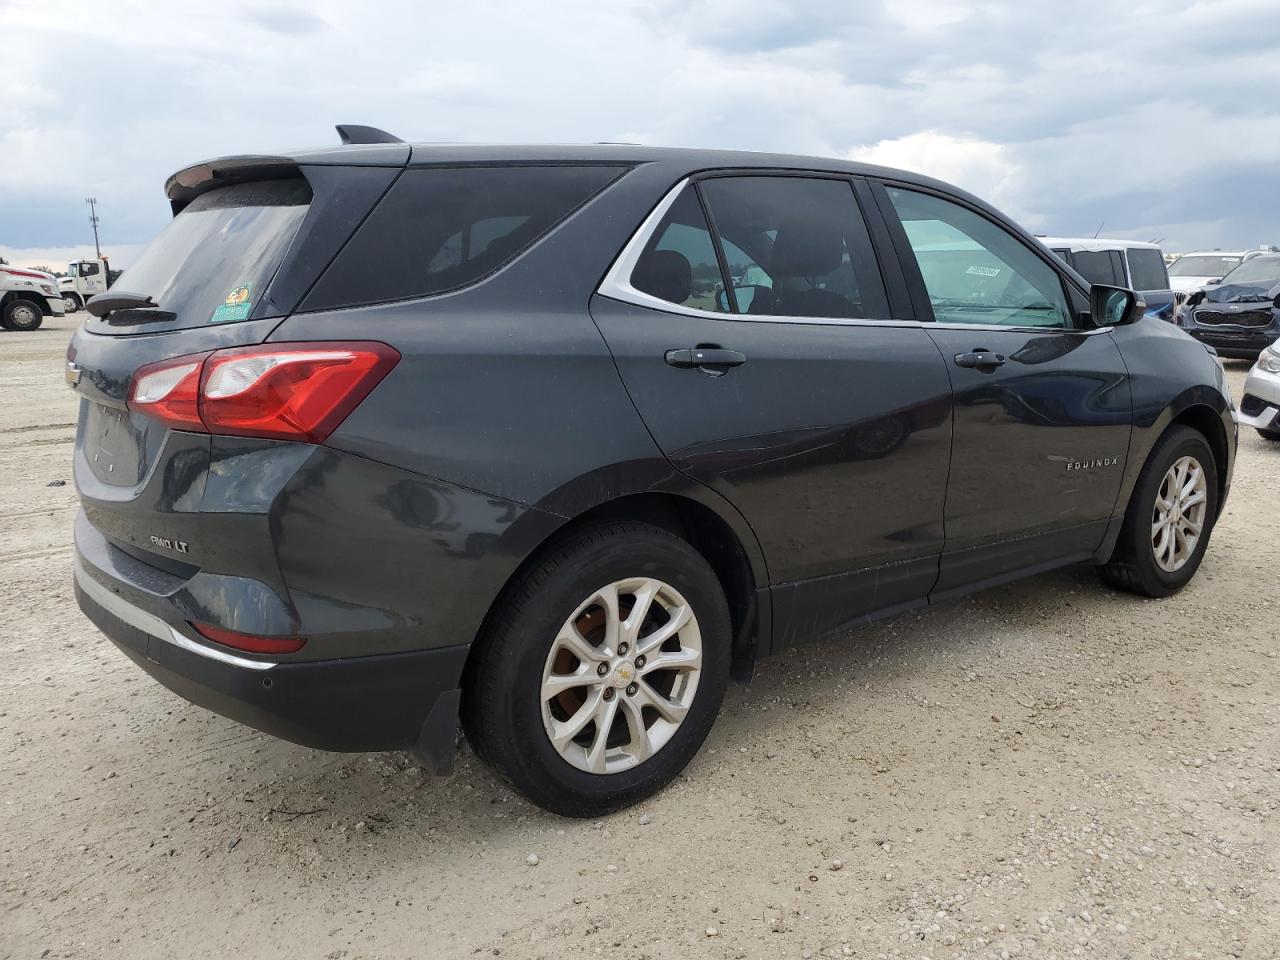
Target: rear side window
(796, 247)
(439, 229)
(213, 261)
(792, 246)
(1146, 266)
(679, 265)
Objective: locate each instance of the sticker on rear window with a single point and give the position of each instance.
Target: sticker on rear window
(236, 306)
(983, 271)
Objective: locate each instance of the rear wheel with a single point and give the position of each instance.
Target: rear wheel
(23, 315)
(1170, 516)
(603, 670)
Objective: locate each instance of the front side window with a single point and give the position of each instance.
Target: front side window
(88, 269)
(1146, 268)
(975, 271)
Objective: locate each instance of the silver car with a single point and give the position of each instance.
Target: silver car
(1260, 406)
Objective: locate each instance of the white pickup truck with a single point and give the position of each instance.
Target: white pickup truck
(84, 279)
(27, 297)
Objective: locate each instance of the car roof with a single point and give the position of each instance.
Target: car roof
(1097, 243)
(1214, 253)
(199, 176)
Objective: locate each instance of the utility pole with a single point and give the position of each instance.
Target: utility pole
(93, 219)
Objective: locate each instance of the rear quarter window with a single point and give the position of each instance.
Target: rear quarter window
(439, 229)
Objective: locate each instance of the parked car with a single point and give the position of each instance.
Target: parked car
(1191, 271)
(377, 436)
(1238, 316)
(27, 297)
(1123, 263)
(1260, 405)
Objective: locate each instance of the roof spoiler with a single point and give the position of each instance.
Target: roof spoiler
(356, 133)
(185, 185)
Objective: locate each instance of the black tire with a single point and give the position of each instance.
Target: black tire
(502, 709)
(1272, 435)
(1133, 565)
(23, 315)
(72, 302)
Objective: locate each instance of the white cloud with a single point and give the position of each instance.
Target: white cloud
(983, 168)
(1116, 112)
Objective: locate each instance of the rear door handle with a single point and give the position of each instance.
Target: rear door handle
(705, 357)
(980, 359)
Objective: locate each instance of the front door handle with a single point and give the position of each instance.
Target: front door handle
(705, 357)
(980, 359)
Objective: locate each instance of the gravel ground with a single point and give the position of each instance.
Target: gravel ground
(1049, 769)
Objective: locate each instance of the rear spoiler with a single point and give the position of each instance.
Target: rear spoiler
(185, 185)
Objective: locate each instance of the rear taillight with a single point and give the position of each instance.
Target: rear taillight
(248, 642)
(294, 391)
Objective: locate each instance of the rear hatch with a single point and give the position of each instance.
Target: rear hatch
(246, 241)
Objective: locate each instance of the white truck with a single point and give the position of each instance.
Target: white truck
(27, 297)
(84, 279)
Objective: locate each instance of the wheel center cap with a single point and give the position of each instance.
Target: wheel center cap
(623, 674)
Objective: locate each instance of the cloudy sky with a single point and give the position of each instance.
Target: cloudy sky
(1157, 118)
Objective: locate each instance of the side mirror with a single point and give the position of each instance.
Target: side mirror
(1214, 283)
(1114, 306)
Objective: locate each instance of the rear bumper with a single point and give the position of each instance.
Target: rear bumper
(387, 702)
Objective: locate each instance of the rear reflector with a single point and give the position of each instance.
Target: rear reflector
(248, 642)
(292, 391)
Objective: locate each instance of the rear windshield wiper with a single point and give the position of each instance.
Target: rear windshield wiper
(121, 307)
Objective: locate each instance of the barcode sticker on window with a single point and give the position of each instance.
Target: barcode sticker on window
(983, 271)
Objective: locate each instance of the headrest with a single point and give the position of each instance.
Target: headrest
(807, 248)
(664, 274)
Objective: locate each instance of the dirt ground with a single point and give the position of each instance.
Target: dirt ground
(1049, 769)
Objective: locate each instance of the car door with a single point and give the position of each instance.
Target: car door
(1042, 397)
(793, 393)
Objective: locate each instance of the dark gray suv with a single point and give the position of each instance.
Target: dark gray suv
(557, 440)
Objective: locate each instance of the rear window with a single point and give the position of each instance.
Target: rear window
(213, 262)
(1146, 267)
(439, 229)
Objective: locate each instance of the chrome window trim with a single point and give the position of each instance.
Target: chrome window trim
(616, 285)
(152, 625)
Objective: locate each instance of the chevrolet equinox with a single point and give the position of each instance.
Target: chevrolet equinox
(554, 441)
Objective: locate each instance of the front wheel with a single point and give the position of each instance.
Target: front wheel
(23, 315)
(1170, 516)
(70, 302)
(602, 671)
(1272, 435)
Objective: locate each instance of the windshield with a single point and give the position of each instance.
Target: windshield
(1203, 266)
(212, 263)
(1261, 270)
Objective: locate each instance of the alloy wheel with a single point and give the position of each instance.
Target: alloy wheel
(621, 675)
(1177, 521)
